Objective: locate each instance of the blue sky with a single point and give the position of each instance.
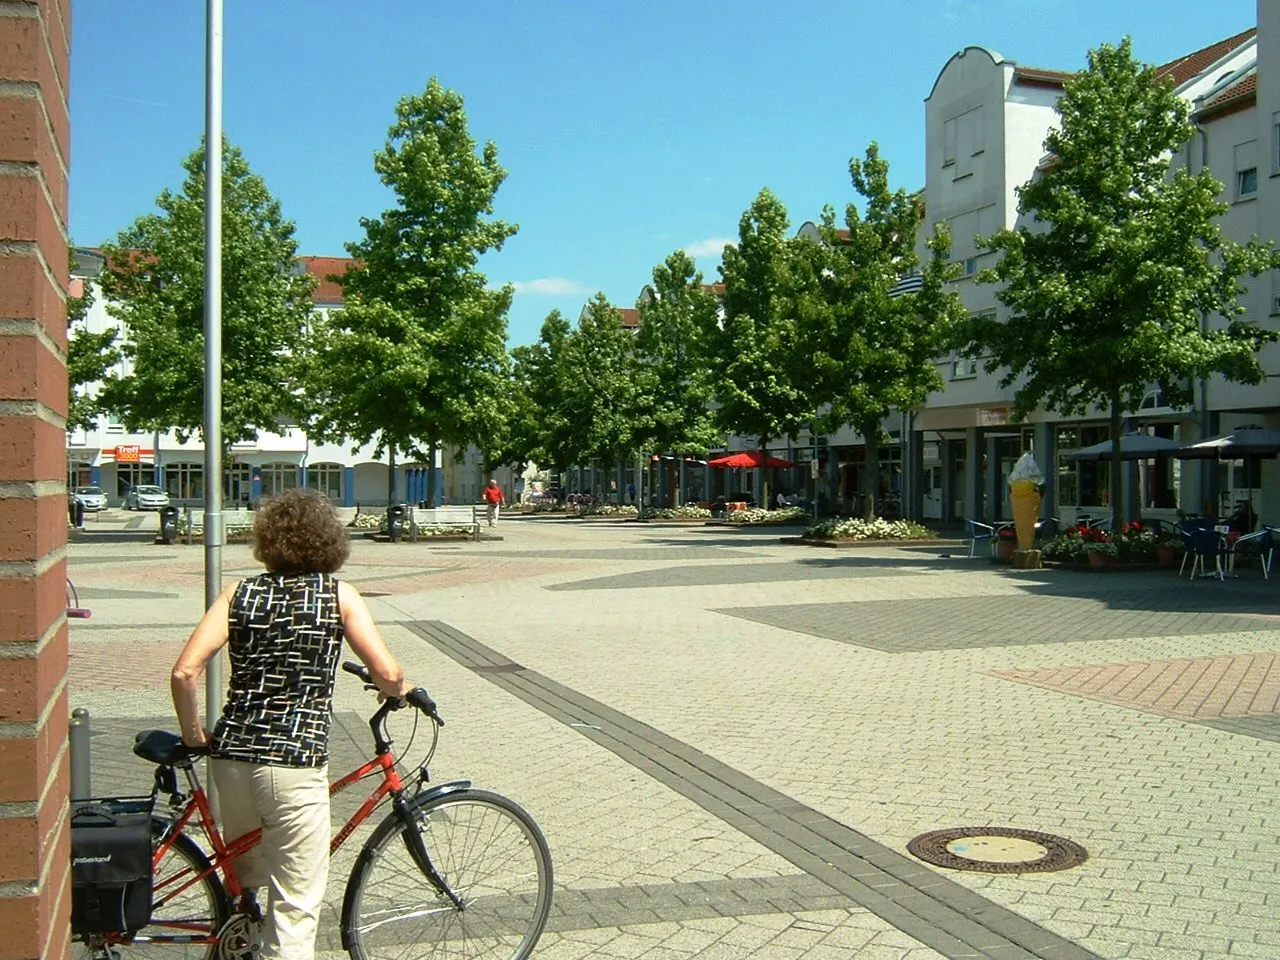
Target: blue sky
(629, 129)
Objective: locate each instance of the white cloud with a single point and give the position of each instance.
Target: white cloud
(711, 247)
(550, 287)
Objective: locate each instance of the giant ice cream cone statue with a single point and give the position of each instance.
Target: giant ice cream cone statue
(1025, 483)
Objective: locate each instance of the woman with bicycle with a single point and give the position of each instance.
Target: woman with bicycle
(284, 629)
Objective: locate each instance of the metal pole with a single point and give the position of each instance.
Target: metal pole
(213, 341)
(78, 740)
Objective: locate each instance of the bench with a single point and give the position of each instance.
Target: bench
(450, 516)
(235, 517)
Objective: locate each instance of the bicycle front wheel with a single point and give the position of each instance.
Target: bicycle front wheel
(489, 852)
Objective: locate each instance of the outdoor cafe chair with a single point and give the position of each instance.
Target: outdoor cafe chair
(979, 531)
(1261, 542)
(1201, 545)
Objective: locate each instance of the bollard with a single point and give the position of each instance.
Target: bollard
(78, 736)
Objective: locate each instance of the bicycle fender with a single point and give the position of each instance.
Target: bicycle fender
(440, 790)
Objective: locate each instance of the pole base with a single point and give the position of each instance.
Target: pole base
(1028, 559)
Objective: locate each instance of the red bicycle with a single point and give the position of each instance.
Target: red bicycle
(450, 870)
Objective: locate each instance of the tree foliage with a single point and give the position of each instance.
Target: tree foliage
(542, 428)
(418, 355)
(153, 282)
(672, 378)
(761, 378)
(1126, 279)
(874, 350)
(599, 384)
(90, 356)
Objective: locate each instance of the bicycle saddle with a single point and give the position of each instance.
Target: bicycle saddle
(163, 747)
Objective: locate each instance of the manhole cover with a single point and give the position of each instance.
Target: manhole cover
(997, 850)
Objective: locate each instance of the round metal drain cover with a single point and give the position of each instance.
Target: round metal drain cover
(997, 850)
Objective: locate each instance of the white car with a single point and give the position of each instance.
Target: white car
(145, 497)
(93, 498)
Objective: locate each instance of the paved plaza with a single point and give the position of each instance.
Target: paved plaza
(729, 741)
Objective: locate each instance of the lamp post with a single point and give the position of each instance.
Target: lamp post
(213, 343)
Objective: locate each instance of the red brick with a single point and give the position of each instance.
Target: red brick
(29, 529)
(29, 370)
(19, 853)
(27, 683)
(25, 137)
(25, 56)
(30, 605)
(32, 449)
(20, 920)
(25, 214)
(28, 764)
(28, 293)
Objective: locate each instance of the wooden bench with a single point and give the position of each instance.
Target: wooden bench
(450, 516)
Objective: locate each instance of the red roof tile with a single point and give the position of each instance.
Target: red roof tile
(630, 317)
(1244, 87)
(327, 291)
(1186, 67)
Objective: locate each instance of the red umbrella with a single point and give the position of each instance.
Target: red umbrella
(748, 458)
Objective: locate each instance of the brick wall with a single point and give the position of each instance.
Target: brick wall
(34, 142)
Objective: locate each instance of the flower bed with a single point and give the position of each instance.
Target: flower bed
(675, 513)
(609, 510)
(377, 523)
(759, 517)
(858, 528)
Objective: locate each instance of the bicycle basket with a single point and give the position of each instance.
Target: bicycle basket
(111, 864)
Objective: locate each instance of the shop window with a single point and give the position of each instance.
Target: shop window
(327, 478)
(184, 481)
(278, 477)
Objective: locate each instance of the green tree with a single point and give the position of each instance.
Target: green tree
(598, 379)
(153, 282)
(673, 384)
(1127, 280)
(871, 351)
(418, 356)
(90, 357)
(762, 380)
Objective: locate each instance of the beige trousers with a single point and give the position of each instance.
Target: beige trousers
(493, 511)
(291, 805)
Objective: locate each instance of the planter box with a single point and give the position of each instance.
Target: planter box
(846, 544)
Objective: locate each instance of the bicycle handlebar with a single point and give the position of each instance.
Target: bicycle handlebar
(417, 697)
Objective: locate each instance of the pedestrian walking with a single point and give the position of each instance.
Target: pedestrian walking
(494, 500)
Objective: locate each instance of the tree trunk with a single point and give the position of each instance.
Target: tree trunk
(871, 469)
(391, 473)
(431, 474)
(1117, 474)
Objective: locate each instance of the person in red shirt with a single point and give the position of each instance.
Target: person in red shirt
(494, 499)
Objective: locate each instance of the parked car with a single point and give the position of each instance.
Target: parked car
(93, 498)
(145, 497)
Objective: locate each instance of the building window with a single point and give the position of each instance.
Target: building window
(949, 142)
(278, 477)
(327, 478)
(1246, 183)
(1275, 293)
(970, 266)
(1085, 484)
(184, 481)
(1275, 143)
(964, 368)
(1245, 164)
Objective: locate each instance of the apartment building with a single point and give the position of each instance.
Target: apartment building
(985, 124)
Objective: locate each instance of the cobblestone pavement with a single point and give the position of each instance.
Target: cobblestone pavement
(735, 770)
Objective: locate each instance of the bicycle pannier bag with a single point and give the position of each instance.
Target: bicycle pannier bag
(111, 864)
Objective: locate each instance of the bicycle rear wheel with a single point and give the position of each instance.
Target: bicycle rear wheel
(490, 853)
(182, 907)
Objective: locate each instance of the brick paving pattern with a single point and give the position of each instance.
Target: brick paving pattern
(718, 779)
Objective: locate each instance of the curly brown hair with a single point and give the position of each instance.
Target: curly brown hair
(298, 531)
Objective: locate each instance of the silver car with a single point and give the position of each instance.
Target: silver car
(93, 498)
(145, 497)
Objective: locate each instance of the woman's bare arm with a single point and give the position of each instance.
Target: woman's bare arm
(367, 643)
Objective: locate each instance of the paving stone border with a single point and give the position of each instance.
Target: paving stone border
(945, 916)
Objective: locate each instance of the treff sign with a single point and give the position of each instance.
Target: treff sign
(127, 453)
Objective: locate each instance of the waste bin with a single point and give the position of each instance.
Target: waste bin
(168, 524)
(395, 521)
(75, 508)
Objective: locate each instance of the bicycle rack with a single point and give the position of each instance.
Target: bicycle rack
(74, 610)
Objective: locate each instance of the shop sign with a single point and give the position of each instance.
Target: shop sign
(931, 453)
(127, 453)
(994, 416)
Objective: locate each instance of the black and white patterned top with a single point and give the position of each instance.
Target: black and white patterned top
(285, 636)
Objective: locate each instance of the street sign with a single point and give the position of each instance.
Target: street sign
(813, 469)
